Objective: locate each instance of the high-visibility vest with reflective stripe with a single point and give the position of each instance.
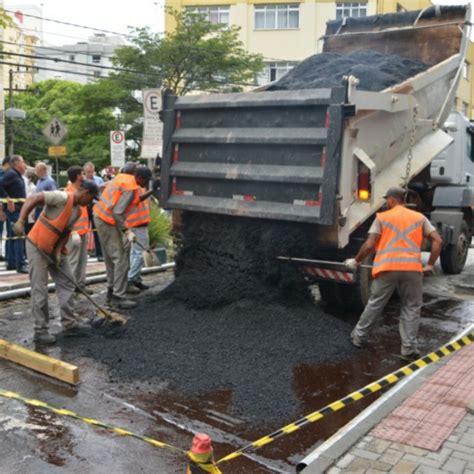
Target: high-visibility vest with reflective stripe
(140, 214)
(110, 196)
(81, 226)
(399, 246)
(46, 232)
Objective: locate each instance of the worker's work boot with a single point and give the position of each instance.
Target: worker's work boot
(108, 296)
(356, 341)
(76, 329)
(44, 338)
(141, 286)
(122, 303)
(132, 289)
(412, 356)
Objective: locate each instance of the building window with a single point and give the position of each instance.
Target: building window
(344, 10)
(277, 17)
(96, 58)
(465, 108)
(72, 57)
(273, 72)
(466, 70)
(215, 15)
(97, 73)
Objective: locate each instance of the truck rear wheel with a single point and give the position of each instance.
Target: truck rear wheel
(454, 256)
(351, 298)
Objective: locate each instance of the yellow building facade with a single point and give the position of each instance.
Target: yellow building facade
(286, 32)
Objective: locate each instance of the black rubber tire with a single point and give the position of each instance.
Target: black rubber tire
(454, 256)
(348, 297)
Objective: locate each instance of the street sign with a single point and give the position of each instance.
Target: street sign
(117, 148)
(57, 150)
(55, 131)
(152, 127)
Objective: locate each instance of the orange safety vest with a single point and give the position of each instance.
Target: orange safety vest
(110, 196)
(399, 246)
(46, 233)
(81, 226)
(139, 214)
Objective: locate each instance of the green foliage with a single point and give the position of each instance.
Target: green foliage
(86, 110)
(159, 228)
(198, 55)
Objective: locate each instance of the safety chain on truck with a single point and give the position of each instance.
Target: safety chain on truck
(410, 149)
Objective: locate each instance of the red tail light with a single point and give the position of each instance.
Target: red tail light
(363, 183)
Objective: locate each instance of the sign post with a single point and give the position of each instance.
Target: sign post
(117, 148)
(152, 141)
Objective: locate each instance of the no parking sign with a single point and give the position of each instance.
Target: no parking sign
(117, 148)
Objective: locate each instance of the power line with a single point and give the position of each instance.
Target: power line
(45, 58)
(71, 24)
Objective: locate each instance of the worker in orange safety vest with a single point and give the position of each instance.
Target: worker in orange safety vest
(45, 247)
(396, 237)
(116, 202)
(77, 243)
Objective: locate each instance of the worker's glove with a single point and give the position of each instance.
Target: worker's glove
(19, 228)
(75, 239)
(428, 270)
(130, 236)
(351, 264)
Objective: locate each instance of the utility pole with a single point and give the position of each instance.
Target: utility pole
(10, 105)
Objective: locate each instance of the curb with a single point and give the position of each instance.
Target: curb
(326, 454)
(95, 277)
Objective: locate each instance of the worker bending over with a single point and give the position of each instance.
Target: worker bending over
(45, 247)
(117, 201)
(396, 237)
(77, 243)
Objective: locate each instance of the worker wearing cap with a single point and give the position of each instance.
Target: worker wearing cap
(396, 237)
(118, 199)
(77, 243)
(138, 220)
(45, 247)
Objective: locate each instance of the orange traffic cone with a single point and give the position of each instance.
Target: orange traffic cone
(201, 456)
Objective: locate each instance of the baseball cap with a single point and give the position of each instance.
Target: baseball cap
(395, 192)
(144, 172)
(129, 168)
(90, 185)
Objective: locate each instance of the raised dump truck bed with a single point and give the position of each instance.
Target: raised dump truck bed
(302, 155)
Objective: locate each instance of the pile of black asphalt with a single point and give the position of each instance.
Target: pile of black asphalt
(233, 319)
(375, 71)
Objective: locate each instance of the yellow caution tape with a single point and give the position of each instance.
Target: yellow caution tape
(6, 200)
(373, 387)
(90, 421)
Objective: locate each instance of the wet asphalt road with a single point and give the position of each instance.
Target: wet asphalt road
(32, 440)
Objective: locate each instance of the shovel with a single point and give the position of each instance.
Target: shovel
(149, 257)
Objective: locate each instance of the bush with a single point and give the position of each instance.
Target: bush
(159, 228)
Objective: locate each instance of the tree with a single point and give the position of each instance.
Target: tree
(198, 55)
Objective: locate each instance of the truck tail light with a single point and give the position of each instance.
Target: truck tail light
(363, 183)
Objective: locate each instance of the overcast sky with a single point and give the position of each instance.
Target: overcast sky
(104, 14)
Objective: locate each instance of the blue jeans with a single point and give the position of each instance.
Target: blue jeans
(136, 253)
(15, 249)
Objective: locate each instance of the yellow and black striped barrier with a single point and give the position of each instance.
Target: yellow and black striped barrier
(7, 200)
(90, 421)
(373, 387)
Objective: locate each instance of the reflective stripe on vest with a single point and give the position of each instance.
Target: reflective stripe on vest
(81, 226)
(110, 196)
(46, 233)
(399, 247)
(140, 214)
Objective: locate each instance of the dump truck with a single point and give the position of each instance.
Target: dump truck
(325, 157)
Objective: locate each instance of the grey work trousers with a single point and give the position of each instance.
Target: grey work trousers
(115, 249)
(39, 267)
(77, 255)
(410, 288)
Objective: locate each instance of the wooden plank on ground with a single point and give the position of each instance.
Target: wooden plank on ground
(41, 363)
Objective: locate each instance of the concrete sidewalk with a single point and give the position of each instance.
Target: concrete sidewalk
(432, 431)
